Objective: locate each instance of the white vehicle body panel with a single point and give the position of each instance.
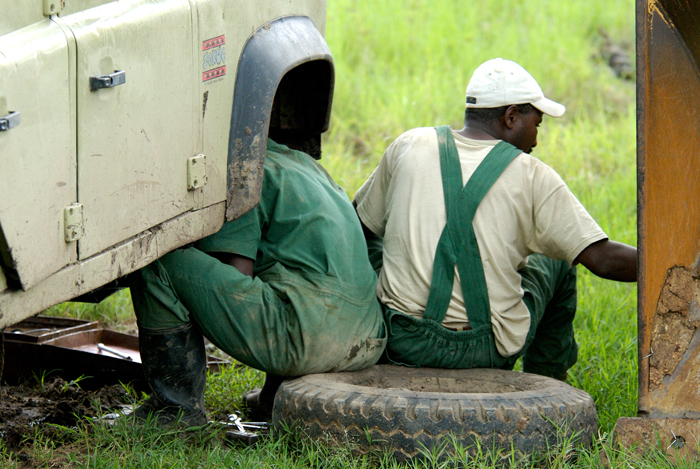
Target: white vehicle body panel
(121, 152)
(134, 139)
(37, 162)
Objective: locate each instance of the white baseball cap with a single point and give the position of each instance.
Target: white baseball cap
(499, 82)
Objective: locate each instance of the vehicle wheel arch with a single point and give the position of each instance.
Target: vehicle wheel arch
(283, 89)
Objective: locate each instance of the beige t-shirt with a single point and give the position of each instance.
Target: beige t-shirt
(528, 210)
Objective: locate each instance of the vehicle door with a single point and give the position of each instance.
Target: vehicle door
(37, 143)
(137, 117)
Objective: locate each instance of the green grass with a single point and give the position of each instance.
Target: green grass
(404, 64)
(144, 447)
(116, 311)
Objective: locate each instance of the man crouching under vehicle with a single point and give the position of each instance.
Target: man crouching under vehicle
(286, 289)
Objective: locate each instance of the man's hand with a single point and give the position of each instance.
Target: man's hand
(243, 264)
(610, 260)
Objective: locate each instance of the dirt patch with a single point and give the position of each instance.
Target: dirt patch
(676, 320)
(26, 411)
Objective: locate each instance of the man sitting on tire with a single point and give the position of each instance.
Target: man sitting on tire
(286, 289)
(477, 275)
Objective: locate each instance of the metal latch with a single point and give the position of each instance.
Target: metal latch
(73, 222)
(9, 121)
(108, 81)
(196, 172)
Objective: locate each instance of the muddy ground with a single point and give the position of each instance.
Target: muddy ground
(28, 410)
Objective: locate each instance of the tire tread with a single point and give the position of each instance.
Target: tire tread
(401, 421)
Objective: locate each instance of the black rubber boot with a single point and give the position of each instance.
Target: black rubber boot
(259, 402)
(174, 362)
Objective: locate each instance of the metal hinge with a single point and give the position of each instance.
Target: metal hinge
(73, 222)
(9, 121)
(196, 172)
(108, 81)
(51, 7)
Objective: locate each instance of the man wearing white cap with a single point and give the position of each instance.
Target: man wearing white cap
(480, 239)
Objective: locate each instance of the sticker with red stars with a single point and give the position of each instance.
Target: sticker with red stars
(214, 58)
(214, 73)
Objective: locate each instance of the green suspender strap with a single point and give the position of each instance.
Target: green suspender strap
(458, 243)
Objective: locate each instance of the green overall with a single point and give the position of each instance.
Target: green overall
(550, 288)
(311, 305)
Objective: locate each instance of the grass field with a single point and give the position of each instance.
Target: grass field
(404, 64)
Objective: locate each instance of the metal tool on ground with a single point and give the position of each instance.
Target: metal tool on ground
(246, 433)
(104, 348)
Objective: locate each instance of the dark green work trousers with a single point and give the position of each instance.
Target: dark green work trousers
(281, 322)
(550, 348)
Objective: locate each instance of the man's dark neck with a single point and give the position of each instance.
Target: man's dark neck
(479, 131)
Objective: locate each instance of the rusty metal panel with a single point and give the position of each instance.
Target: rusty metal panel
(676, 439)
(668, 80)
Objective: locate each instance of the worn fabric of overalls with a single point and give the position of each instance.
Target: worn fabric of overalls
(311, 306)
(549, 285)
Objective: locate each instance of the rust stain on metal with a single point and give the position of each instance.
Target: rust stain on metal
(696, 267)
(675, 322)
(677, 439)
(205, 98)
(654, 7)
(668, 91)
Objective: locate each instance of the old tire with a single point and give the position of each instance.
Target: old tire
(406, 410)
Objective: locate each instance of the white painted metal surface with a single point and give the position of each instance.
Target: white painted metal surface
(121, 152)
(83, 277)
(134, 140)
(235, 21)
(37, 158)
(17, 15)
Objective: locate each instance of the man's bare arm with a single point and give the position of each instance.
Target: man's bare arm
(610, 260)
(242, 263)
(375, 245)
(369, 234)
